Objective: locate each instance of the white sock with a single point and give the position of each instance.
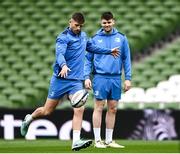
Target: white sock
(109, 133)
(76, 135)
(97, 134)
(29, 118)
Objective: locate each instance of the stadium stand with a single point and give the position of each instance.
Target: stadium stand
(28, 32)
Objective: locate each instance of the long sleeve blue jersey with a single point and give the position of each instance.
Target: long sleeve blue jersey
(107, 64)
(70, 50)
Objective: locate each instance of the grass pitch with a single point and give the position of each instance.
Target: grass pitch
(57, 146)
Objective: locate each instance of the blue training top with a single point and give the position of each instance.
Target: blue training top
(107, 64)
(70, 50)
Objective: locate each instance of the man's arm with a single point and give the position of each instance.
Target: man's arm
(126, 59)
(91, 47)
(127, 65)
(61, 46)
(88, 64)
(88, 69)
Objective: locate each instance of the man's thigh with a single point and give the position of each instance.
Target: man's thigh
(60, 87)
(106, 88)
(115, 89)
(100, 88)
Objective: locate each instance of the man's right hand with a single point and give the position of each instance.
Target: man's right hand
(88, 84)
(64, 71)
(115, 52)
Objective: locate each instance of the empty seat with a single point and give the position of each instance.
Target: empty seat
(149, 73)
(41, 4)
(12, 59)
(165, 86)
(21, 34)
(49, 60)
(171, 60)
(18, 99)
(176, 67)
(154, 95)
(24, 53)
(38, 66)
(134, 95)
(46, 73)
(19, 66)
(18, 16)
(27, 72)
(140, 9)
(8, 41)
(24, 4)
(141, 66)
(28, 41)
(159, 67)
(14, 78)
(7, 72)
(33, 79)
(5, 103)
(176, 9)
(32, 96)
(7, 3)
(159, 9)
(169, 17)
(137, 79)
(167, 73)
(30, 9)
(37, 16)
(156, 78)
(39, 34)
(146, 84)
(6, 22)
(9, 91)
(31, 59)
(3, 34)
(152, 4)
(3, 65)
(21, 84)
(3, 84)
(169, 4)
(175, 80)
(41, 85)
(26, 22)
(154, 60)
(17, 47)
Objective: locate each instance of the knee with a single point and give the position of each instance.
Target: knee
(112, 110)
(98, 109)
(79, 111)
(47, 112)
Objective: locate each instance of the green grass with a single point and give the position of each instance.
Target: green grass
(57, 146)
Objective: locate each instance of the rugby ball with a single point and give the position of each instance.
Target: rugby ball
(79, 98)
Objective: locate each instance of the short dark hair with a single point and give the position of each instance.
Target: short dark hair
(78, 17)
(107, 16)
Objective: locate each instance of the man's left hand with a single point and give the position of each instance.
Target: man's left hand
(115, 52)
(127, 85)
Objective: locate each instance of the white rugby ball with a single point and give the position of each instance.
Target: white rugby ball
(79, 98)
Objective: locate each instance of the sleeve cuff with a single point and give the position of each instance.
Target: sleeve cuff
(62, 65)
(128, 78)
(87, 77)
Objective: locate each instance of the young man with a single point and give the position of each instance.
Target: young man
(68, 76)
(107, 77)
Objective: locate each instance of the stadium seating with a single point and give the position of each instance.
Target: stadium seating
(29, 28)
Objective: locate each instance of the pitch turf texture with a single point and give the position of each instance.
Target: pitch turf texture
(57, 146)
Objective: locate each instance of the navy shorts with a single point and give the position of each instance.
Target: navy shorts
(107, 88)
(60, 87)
